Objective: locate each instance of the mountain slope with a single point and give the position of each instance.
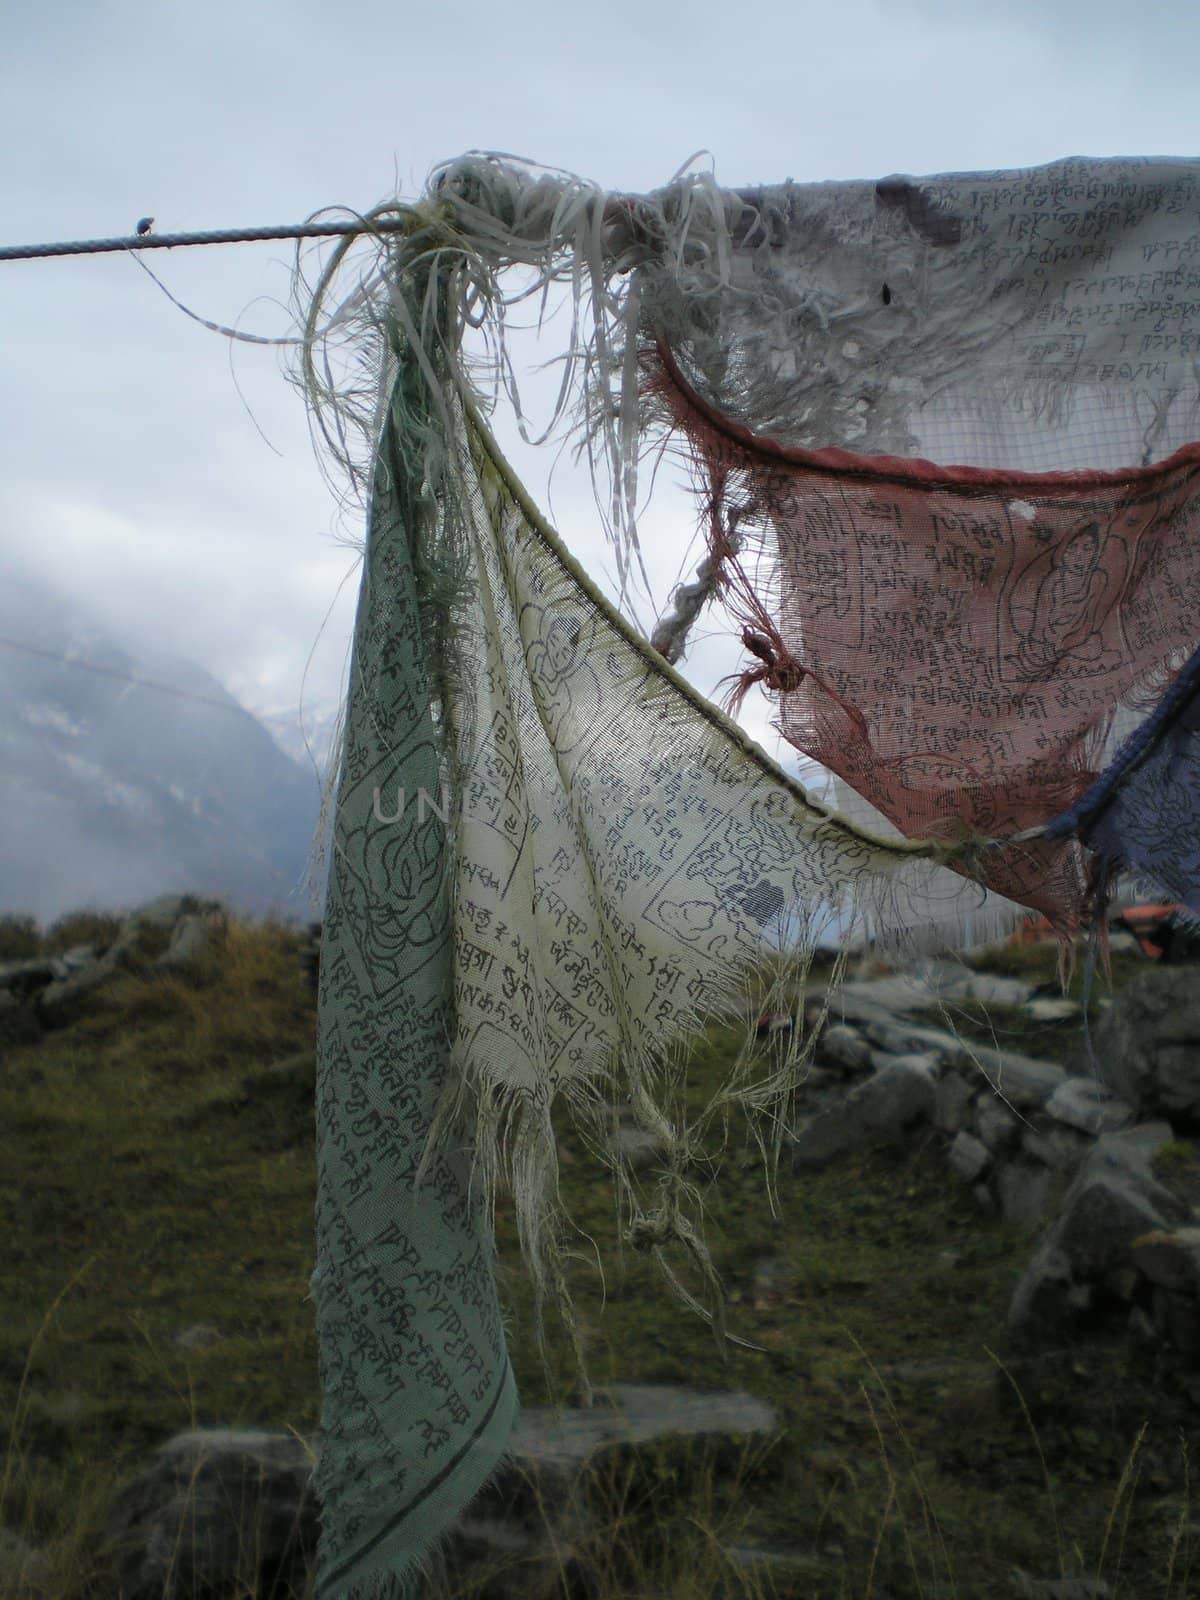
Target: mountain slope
(112, 790)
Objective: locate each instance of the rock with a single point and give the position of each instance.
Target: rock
(969, 1157)
(1087, 1105)
(221, 1510)
(954, 1095)
(1109, 1205)
(1021, 1080)
(932, 983)
(822, 1139)
(953, 982)
(1148, 1046)
(1041, 1299)
(911, 1038)
(845, 1047)
(1134, 1147)
(225, 1512)
(1170, 1259)
(60, 1001)
(79, 956)
(926, 1060)
(526, 1523)
(198, 1337)
(904, 991)
(880, 1108)
(1054, 1144)
(1026, 1192)
(196, 943)
(1103, 1213)
(995, 1124)
(24, 978)
(1052, 1010)
(843, 1005)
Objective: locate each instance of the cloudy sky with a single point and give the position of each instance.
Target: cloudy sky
(167, 480)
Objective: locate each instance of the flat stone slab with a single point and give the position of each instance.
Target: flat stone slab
(1134, 1147)
(1021, 1080)
(1087, 1105)
(1052, 1010)
(631, 1414)
(934, 982)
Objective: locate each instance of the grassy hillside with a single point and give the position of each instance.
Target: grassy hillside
(157, 1172)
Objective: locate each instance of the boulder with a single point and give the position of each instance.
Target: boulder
(522, 1535)
(1053, 1143)
(996, 1125)
(224, 1512)
(845, 1047)
(1103, 1213)
(220, 1511)
(24, 978)
(1134, 1148)
(196, 943)
(1026, 1192)
(902, 1038)
(879, 1109)
(1110, 1204)
(969, 1157)
(953, 1097)
(1087, 1105)
(1148, 1045)
(58, 1002)
(1024, 1082)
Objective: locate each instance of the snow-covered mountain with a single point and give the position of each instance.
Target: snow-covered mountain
(305, 739)
(112, 791)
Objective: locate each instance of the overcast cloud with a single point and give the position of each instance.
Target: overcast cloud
(134, 476)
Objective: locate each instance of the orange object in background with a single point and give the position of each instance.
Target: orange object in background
(1149, 925)
(1146, 924)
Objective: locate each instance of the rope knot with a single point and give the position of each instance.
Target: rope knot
(780, 670)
